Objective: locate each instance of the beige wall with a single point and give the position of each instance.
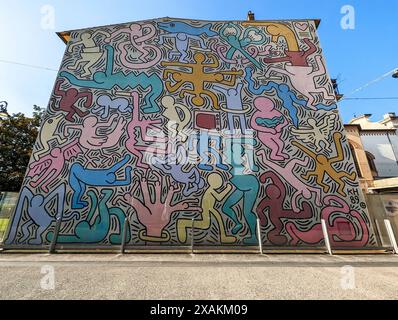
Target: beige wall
(354, 139)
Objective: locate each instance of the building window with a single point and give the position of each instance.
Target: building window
(371, 160)
(354, 156)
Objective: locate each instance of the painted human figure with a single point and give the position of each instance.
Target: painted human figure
(68, 100)
(97, 136)
(197, 78)
(317, 132)
(287, 173)
(209, 201)
(277, 30)
(155, 211)
(324, 165)
(246, 186)
(80, 178)
(183, 33)
(139, 142)
(48, 168)
(90, 53)
(273, 204)
(105, 103)
(173, 165)
(234, 106)
(138, 37)
(288, 97)
(35, 208)
(108, 79)
(96, 228)
(207, 144)
(346, 227)
(178, 116)
(296, 58)
(47, 133)
(239, 42)
(269, 123)
(303, 80)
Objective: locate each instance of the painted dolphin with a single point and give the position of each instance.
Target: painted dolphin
(182, 27)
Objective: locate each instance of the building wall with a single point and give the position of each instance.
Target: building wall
(165, 121)
(378, 143)
(354, 139)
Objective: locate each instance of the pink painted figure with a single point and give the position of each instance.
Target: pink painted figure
(269, 123)
(340, 220)
(48, 168)
(303, 80)
(155, 211)
(137, 35)
(98, 136)
(137, 130)
(287, 173)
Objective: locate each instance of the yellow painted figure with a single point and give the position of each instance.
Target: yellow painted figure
(324, 166)
(176, 124)
(277, 30)
(47, 133)
(90, 53)
(209, 200)
(197, 78)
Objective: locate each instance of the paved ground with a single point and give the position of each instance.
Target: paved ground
(167, 276)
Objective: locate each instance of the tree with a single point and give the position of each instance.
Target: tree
(17, 136)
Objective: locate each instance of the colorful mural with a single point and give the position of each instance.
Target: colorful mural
(169, 120)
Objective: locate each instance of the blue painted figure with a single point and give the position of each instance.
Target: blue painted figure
(246, 186)
(38, 213)
(205, 149)
(288, 97)
(239, 42)
(108, 79)
(81, 177)
(174, 164)
(182, 33)
(234, 106)
(283, 92)
(88, 231)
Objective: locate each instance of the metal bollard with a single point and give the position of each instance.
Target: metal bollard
(260, 242)
(391, 236)
(192, 235)
(124, 234)
(326, 236)
(55, 238)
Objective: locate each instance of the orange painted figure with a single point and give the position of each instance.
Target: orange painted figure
(197, 78)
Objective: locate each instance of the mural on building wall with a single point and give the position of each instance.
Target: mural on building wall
(169, 120)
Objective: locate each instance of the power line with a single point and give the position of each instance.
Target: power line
(28, 65)
(385, 98)
(370, 83)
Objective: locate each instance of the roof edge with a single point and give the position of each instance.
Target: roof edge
(65, 35)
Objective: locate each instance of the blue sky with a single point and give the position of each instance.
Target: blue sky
(354, 56)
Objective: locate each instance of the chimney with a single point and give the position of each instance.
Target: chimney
(250, 16)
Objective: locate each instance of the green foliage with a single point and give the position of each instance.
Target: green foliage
(17, 136)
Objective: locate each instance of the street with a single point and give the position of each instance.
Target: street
(180, 276)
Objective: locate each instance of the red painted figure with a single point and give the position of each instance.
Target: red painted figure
(275, 196)
(68, 101)
(296, 58)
